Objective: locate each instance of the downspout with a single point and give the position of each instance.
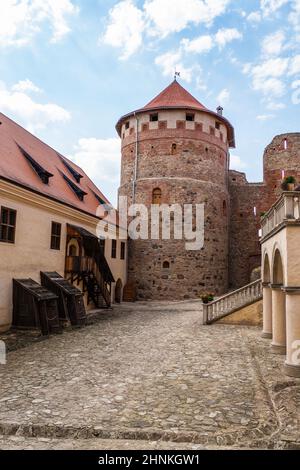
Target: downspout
(136, 159)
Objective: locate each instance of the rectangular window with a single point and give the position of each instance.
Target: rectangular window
(218, 125)
(127, 124)
(190, 117)
(8, 225)
(154, 117)
(102, 244)
(55, 236)
(123, 246)
(114, 249)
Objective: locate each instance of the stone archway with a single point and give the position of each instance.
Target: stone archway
(278, 305)
(118, 291)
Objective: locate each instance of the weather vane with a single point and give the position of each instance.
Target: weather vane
(177, 74)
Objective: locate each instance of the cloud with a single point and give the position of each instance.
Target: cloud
(170, 61)
(125, 28)
(236, 163)
(269, 7)
(254, 17)
(170, 16)
(294, 68)
(226, 35)
(273, 44)
(205, 43)
(32, 114)
(101, 160)
(265, 117)
(127, 25)
(21, 20)
(267, 76)
(199, 45)
(223, 97)
(26, 85)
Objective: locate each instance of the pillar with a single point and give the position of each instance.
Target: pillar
(278, 320)
(292, 364)
(267, 311)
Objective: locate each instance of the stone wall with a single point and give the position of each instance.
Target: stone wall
(283, 153)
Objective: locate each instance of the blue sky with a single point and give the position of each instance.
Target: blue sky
(70, 68)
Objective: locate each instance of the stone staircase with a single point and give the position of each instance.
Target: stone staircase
(232, 302)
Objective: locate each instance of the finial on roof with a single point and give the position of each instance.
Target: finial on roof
(177, 74)
(220, 110)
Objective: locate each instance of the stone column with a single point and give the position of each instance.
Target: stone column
(267, 311)
(278, 320)
(292, 364)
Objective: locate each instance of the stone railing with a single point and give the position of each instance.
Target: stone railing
(232, 302)
(285, 208)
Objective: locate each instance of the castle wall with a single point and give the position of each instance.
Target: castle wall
(283, 153)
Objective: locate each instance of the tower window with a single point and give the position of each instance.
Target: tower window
(218, 125)
(166, 265)
(285, 144)
(174, 148)
(156, 196)
(154, 117)
(127, 124)
(190, 117)
(224, 208)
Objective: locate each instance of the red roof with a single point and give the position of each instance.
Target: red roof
(16, 142)
(174, 96)
(177, 97)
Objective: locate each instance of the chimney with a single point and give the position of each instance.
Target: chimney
(220, 110)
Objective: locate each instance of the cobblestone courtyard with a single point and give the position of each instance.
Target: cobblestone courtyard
(149, 372)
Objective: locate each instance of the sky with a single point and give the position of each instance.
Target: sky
(70, 68)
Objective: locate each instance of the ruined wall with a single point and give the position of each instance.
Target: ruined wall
(283, 153)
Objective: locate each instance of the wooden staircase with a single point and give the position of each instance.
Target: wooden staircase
(232, 302)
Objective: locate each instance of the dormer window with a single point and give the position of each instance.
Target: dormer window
(190, 117)
(77, 176)
(154, 117)
(43, 174)
(78, 191)
(101, 201)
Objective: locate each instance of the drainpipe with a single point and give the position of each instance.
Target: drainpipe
(136, 159)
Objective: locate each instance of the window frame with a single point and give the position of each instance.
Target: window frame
(190, 117)
(55, 236)
(8, 225)
(123, 251)
(154, 117)
(114, 247)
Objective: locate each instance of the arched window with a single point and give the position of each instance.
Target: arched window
(72, 250)
(156, 196)
(166, 265)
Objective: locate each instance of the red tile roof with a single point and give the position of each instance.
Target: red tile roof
(174, 96)
(15, 167)
(177, 97)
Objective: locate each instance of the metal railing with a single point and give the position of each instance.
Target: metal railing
(232, 302)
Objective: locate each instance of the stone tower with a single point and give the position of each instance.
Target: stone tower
(175, 151)
(281, 155)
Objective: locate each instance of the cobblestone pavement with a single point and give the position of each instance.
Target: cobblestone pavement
(149, 372)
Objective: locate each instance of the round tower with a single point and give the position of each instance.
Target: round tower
(281, 159)
(175, 151)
